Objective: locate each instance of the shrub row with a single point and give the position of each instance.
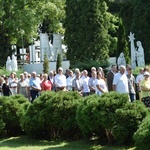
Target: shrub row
(111, 117)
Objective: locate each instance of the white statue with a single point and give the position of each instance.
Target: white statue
(121, 60)
(136, 54)
(140, 55)
(52, 53)
(14, 65)
(133, 54)
(8, 64)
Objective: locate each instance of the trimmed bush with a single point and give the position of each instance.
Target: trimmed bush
(142, 135)
(113, 113)
(52, 115)
(128, 119)
(11, 110)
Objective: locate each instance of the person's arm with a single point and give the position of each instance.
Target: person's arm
(114, 87)
(100, 89)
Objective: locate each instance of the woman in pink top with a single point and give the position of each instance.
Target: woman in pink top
(46, 84)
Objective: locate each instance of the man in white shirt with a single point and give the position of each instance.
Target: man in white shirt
(70, 80)
(60, 80)
(35, 87)
(120, 81)
(85, 78)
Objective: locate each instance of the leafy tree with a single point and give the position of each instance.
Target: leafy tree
(46, 64)
(122, 45)
(140, 25)
(20, 20)
(59, 62)
(86, 35)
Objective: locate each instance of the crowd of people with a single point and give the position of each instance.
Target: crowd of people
(96, 82)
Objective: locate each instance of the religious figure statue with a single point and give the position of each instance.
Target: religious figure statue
(8, 64)
(52, 53)
(140, 54)
(121, 60)
(137, 55)
(14, 65)
(132, 47)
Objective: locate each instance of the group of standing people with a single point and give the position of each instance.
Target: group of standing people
(120, 80)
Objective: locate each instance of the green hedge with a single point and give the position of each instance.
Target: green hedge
(11, 110)
(142, 135)
(52, 115)
(113, 113)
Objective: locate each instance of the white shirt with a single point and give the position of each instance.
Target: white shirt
(102, 85)
(121, 82)
(60, 80)
(139, 78)
(69, 82)
(85, 84)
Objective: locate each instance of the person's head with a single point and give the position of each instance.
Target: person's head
(99, 75)
(6, 79)
(71, 73)
(12, 75)
(128, 66)
(114, 68)
(60, 70)
(21, 76)
(122, 69)
(85, 73)
(129, 71)
(141, 70)
(78, 74)
(94, 74)
(51, 73)
(25, 74)
(93, 69)
(33, 74)
(146, 75)
(45, 76)
(147, 69)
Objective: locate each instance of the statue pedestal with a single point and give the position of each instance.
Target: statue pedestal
(38, 67)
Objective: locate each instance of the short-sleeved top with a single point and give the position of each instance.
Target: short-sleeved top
(121, 82)
(46, 85)
(102, 85)
(146, 85)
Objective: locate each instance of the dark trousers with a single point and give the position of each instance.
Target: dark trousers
(34, 94)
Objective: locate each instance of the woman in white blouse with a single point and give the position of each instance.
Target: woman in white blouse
(100, 84)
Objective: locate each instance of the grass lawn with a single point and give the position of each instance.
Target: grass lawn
(26, 143)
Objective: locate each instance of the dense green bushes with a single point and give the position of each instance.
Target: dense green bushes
(142, 135)
(11, 110)
(111, 113)
(66, 115)
(53, 115)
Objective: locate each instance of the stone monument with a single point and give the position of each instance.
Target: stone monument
(140, 54)
(132, 47)
(8, 64)
(14, 64)
(121, 60)
(137, 54)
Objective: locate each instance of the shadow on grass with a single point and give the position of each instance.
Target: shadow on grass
(29, 143)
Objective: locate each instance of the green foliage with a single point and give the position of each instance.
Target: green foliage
(11, 110)
(142, 135)
(87, 64)
(128, 119)
(46, 64)
(86, 34)
(52, 115)
(16, 23)
(122, 45)
(111, 113)
(59, 62)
